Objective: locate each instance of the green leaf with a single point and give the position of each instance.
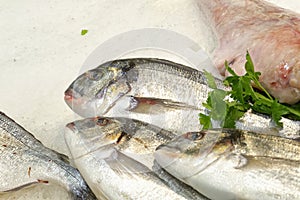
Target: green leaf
(231, 71)
(277, 111)
(233, 115)
(205, 121)
(244, 97)
(210, 80)
(84, 31)
(218, 105)
(249, 64)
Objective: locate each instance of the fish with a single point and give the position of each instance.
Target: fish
(160, 92)
(150, 89)
(269, 33)
(113, 175)
(132, 137)
(234, 164)
(135, 139)
(26, 162)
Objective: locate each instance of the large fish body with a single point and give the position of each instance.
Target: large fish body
(135, 88)
(163, 93)
(131, 137)
(270, 34)
(233, 164)
(110, 173)
(26, 162)
(135, 139)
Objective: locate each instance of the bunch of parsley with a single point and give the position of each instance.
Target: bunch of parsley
(226, 107)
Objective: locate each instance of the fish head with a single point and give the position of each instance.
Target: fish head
(88, 135)
(95, 92)
(191, 153)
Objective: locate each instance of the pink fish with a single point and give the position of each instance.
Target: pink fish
(270, 34)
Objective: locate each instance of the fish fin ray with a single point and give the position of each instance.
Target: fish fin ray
(111, 88)
(123, 164)
(150, 105)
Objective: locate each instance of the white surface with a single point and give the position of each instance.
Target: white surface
(42, 50)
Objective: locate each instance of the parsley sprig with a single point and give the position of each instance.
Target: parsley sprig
(226, 107)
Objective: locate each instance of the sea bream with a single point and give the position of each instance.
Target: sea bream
(110, 173)
(135, 139)
(270, 34)
(233, 164)
(160, 92)
(25, 162)
(151, 90)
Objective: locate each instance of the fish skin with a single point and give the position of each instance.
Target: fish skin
(234, 164)
(155, 80)
(180, 187)
(129, 136)
(26, 161)
(121, 80)
(135, 139)
(111, 174)
(270, 34)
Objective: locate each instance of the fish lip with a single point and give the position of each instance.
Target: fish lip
(72, 127)
(68, 94)
(71, 96)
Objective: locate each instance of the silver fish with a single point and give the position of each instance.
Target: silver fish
(133, 138)
(270, 34)
(234, 164)
(135, 88)
(25, 161)
(163, 93)
(113, 175)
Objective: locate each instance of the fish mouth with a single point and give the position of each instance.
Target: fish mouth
(80, 104)
(71, 96)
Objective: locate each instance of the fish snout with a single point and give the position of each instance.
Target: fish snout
(69, 96)
(73, 98)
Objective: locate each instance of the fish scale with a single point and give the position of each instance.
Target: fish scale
(135, 145)
(234, 164)
(26, 162)
(160, 92)
(174, 81)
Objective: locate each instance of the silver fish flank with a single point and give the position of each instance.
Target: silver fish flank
(25, 161)
(132, 138)
(234, 164)
(160, 92)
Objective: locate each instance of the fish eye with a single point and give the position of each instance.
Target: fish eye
(102, 122)
(194, 135)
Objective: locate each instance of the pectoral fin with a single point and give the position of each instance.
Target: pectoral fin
(113, 93)
(125, 165)
(149, 105)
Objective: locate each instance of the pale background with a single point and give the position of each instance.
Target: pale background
(42, 50)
